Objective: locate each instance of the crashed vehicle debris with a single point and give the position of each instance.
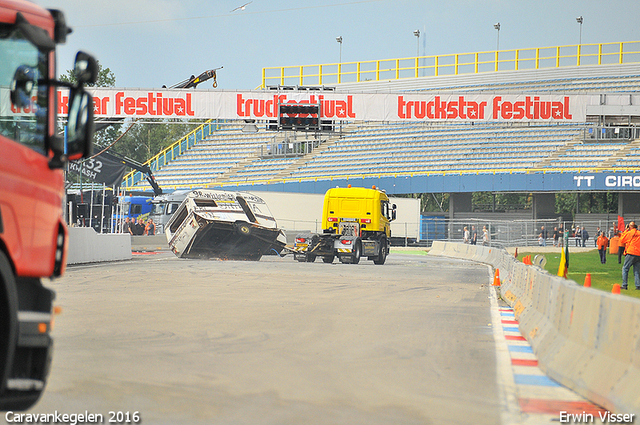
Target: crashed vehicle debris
(225, 225)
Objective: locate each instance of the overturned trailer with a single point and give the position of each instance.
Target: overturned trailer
(221, 224)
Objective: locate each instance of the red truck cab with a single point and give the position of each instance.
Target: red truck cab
(33, 235)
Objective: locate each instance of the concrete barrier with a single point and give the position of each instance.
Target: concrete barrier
(586, 339)
(87, 246)
(149, 243)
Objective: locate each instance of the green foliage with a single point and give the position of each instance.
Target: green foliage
(145, 140)
(106, 78)
(603, 276)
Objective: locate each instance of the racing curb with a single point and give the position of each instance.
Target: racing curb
(585, 339)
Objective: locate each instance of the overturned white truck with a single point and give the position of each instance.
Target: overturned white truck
(226, 225)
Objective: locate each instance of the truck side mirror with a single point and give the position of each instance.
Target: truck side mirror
(22, 86)
(86, 68)
(393, 212)
(79, 132)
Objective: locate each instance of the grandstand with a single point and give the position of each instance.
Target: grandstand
(375, 151)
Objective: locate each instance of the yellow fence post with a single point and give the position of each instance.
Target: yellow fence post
(600, 54)
(282, 76)
(476, 63)
(558, 57)
(497, 53)
(417, 66)
(517, 58)
(621, 57)
(397, 69)
(319, 75)
(537, 58)
(301, 75)
(358, 72)
(377, 70)
(436, 65)
(578, 53)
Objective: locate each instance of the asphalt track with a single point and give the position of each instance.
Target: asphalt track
(276, 342)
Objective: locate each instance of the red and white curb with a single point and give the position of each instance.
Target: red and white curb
(527, 395)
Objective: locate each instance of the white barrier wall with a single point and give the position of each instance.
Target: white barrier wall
(587, 340)
(87, 246)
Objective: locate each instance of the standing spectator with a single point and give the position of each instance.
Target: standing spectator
(555, 236)
(561, 236)
(543, 232)
(621, 246)
(485, 236)
(474, 235)
(631, 239)
(597, 235)
(150, 228)
(126, 227)
(465, 235)
(602, 242)
(139, 227)
(540, 240)
(585, 236)
(577, 234)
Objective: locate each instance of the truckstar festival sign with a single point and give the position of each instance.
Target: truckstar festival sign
(263, 105)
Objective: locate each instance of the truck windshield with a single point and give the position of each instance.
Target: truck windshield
(27, 125)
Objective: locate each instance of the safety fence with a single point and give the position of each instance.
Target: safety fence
(585, 339)
(504, 233)
(453, 64)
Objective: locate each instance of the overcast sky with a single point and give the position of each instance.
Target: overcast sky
(150, 43)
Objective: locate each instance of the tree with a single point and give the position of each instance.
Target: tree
(106, 77)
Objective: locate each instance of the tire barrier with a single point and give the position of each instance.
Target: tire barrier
(585, 339)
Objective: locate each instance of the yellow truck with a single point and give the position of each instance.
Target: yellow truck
(356, 223)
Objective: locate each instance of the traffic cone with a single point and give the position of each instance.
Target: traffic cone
(496, 278)
(587, 280)
(616, 288)
(516, 252)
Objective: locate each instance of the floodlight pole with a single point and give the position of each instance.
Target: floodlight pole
(339, 40)
(579, 20)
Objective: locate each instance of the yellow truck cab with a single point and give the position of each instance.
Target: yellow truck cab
(356, 222)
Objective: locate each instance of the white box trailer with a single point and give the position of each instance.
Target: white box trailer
(221, 224)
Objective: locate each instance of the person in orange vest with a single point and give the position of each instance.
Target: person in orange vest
(602, 242)
(631, 239)
(620, 246)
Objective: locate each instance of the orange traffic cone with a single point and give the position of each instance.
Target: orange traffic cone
(587, 280)
(516, 252)
(616, 288)
(496, 278)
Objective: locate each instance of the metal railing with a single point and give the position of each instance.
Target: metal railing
(614, 133)
(454, 64)
(172, 152)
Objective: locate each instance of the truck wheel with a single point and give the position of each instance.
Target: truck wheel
(382, 254)
(328, 259)
(357, 251)
(310, 258)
